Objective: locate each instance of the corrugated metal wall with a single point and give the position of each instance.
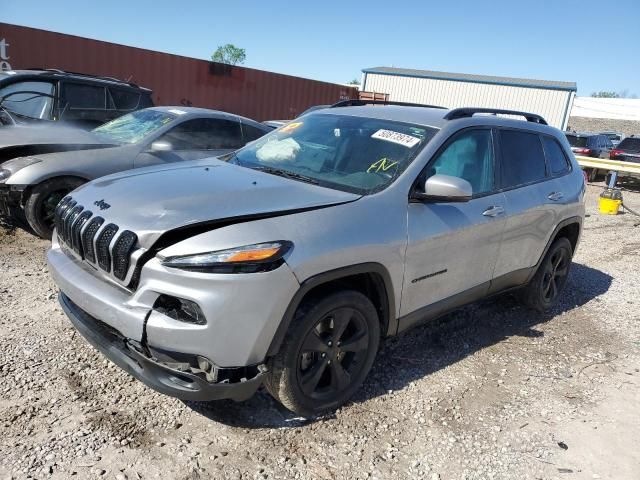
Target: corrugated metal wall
(175, 80)
(551, 104)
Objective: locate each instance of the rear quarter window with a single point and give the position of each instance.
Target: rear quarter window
(630, 145)
(522, 158)
(556, 159)
(124, 100)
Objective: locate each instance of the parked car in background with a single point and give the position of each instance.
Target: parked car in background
(594, 145)
(615, 137)
(288, 263)
(48, 95)
(628, 150)
(31, 186)
(278, 123)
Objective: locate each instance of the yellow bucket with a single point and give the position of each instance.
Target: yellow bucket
(609, 206)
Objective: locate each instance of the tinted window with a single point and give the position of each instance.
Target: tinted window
(630, 144)
(468, 156)
(28, 104)
(79, 96)
(522, 158)
(205, 134)
(145, 101)
(576, 141)
(124, 100)
(251, 133)
(555, 156)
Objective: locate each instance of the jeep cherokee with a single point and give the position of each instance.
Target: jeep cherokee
(287, 262)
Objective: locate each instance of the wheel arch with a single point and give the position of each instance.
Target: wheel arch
(371, 279)
(26, 193)
(569, 228)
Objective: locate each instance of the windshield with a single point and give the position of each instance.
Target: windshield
(30, 103)
(575, 141)
(630, 144)
(355, 154)
(134, 127)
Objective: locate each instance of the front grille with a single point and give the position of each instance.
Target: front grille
(91, 241)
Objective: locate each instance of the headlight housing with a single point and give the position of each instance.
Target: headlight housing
(4, 174)
(259, 257)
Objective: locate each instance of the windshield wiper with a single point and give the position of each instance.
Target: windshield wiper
(287, 174)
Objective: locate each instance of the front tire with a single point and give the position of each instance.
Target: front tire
(326, 354)
(546, 286)
(41, 204)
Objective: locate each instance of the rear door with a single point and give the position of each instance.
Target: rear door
(452, 247)
(193, 139)
(530, 202)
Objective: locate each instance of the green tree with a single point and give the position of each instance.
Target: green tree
(229, 54)
(355, 81)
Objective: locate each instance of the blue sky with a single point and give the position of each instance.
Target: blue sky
(329, 40)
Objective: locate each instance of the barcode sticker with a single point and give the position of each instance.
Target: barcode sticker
(396, 137)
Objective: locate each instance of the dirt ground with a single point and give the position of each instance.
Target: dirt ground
(493, 391)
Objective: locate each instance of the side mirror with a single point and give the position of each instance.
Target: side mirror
(161, 146)
(444, 188)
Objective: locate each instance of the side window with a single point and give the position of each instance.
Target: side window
(79, 96)
(204, 134)
(29, 104)
(251, 133)
(145, 101)
(469, 156)
(124, 100)
(556, 158)
(522, 158)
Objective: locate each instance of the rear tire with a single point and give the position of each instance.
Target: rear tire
(40, 206)
(326, 354)
(547, 284)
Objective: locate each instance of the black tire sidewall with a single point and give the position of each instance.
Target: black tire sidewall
(40, 193)
(536, 288)
(286, 362)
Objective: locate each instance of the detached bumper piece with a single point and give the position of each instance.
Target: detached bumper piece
(175, 378)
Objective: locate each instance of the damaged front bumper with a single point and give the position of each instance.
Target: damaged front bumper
(11, 199)
(171, 378)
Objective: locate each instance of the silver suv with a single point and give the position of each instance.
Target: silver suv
(287, 262)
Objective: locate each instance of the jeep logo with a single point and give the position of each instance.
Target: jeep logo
(101, 204)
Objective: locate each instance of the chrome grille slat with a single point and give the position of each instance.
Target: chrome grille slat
(68, 222)
(88, 236)
(122, 253)
(76, 228)
(62, 206)
(68, 208)
(102, 246)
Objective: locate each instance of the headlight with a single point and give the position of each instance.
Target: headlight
(4, 174)
(260, 257)
(19, 163)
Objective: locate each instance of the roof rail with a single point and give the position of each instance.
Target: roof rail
(360, 103)
(470, 112)
(79, 74)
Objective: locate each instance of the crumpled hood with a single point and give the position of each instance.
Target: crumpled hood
(152, 201)
(36, 134)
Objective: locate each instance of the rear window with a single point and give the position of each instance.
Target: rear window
(575, 141)
(124, 100)
(522, 158)
(630, 144)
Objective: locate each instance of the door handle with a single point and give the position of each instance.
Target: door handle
(555, 196)
(493, 211)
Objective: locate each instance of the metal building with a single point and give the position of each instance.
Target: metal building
(552, 100)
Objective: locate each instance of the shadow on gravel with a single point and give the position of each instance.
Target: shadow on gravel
(426, 349)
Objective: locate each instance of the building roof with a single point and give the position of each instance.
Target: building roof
(467, 77)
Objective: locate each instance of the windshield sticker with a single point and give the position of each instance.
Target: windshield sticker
(381, 165)
(176, 111)
(396, 137)
(290, 127)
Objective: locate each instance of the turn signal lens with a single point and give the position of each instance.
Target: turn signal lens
(259, 257)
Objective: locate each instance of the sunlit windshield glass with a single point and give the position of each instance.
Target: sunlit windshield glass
(345, 152)
(135, 126)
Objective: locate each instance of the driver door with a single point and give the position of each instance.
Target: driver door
(191, 140)
(453, 246)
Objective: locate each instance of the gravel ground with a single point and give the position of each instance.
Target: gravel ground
(491, 391)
